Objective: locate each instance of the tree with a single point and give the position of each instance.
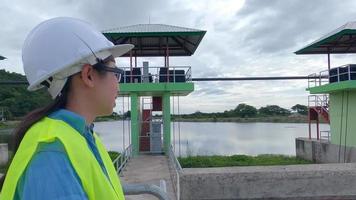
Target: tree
(301, 109)
(244, 110)
(272, 110)
(17, 99)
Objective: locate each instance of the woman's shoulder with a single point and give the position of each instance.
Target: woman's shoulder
(49, 169)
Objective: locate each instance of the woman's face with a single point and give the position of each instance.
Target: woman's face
(107, 91)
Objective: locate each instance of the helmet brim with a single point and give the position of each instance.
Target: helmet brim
(119, 50)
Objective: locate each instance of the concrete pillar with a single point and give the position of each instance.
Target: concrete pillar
(135, 123)
(166, 122)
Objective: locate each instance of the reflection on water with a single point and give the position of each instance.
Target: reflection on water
(219, 138)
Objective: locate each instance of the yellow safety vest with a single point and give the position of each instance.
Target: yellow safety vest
(96, 185)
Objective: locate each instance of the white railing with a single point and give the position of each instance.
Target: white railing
(319, 79)
(325, 135)
(155, 75)
(338, 74)
(175, 171)
(319, 101)
(121, 161)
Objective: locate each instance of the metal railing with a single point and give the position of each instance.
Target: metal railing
(343, 73)
(155, 75)
(175, 171)
(121, 161)
(325, 135)
(337, 74)
(319, 79)
(319, 101)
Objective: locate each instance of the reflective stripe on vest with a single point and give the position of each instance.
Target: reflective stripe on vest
(95, 184)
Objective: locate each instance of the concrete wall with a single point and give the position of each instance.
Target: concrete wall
(322, 151)
(4, 153)
(314, 181)
(342, 118)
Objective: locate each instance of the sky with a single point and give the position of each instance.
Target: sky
(244, 38)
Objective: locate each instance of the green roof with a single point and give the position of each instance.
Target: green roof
(2, 57)
(152, 39)
(341, 40)
(151, 29)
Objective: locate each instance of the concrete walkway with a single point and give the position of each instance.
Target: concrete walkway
(148, 169)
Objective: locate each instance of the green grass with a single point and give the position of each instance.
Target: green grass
(239, 160)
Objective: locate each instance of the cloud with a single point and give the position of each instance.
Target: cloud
(244, 38)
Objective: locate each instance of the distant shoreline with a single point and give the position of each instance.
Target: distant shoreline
(269, 119)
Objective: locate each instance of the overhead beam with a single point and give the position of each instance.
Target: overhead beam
(182, 45)
(256, 78)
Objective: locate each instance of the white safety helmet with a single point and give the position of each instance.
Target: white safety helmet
(57, 48)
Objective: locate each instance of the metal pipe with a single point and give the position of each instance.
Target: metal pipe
(123, 125)
(128, 121)
(167, 59)
(180, 155)
(317, 128)
(174, 126)
(329, 62)
(309, 122)
(256, 78)
(136, 189)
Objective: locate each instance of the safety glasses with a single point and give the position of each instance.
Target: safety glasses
(102, 67)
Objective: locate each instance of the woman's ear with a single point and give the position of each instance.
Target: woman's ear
(87, 75)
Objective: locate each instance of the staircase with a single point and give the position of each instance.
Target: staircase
(319, 111)
(318, 108)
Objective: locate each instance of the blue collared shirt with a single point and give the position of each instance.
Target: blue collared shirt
(50, 174)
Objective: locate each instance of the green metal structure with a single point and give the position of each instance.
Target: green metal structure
(157, 84)
(335, 99)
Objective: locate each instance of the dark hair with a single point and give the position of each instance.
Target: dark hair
(35, 116)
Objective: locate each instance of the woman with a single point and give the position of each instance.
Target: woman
(58, 156)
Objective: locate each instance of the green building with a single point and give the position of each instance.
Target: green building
(333, 91)
(150, 88)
